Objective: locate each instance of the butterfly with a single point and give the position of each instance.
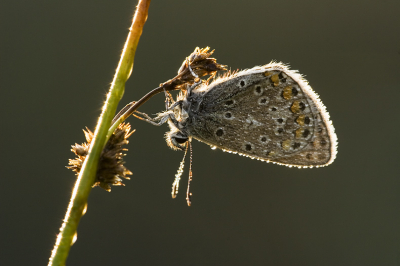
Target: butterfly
(269, 113)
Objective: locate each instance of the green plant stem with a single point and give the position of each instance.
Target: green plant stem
(85, 180)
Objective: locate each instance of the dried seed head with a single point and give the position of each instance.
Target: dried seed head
(111, 165)
(200, 63)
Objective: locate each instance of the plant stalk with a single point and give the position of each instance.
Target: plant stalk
(85, 180)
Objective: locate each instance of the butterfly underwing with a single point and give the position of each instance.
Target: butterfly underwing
(267, 112)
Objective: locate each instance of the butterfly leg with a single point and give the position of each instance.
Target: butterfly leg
(158, 121)
(190, 69)
(168, 99)
(161, 117)
(197, 81)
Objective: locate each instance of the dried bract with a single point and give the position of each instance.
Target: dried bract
(200, 63)
(111, 165)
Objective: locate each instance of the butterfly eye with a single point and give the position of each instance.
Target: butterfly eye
(180, 140)
(176, 140)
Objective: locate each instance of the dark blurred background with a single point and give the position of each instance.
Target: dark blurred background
(57, 61)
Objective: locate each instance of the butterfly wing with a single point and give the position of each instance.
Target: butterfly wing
(268, 113)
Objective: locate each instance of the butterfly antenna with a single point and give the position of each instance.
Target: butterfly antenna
(175, 185)
(188, 193)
